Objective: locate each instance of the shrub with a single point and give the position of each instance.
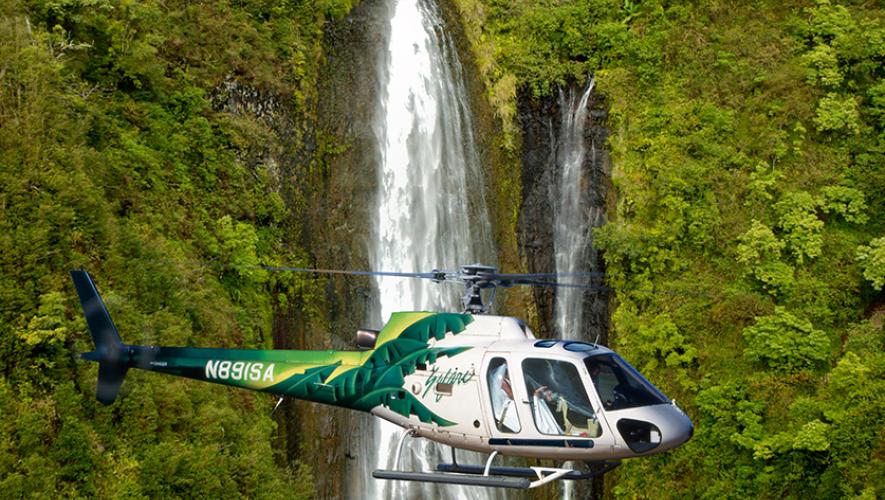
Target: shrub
(872, 260)
(785, 343)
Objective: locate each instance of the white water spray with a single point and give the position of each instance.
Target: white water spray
(430, 210)
(574, 217)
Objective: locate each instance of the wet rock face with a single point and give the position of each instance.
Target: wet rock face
(339, 186)
(271, 119)
(598, 168)
(340, 225)
(540, 122)
(349, 88)
(237, 98)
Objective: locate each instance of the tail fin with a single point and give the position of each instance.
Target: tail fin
(109, 349)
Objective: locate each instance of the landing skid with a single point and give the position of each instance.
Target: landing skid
(488, 476)
(529, 472)
(462, 479)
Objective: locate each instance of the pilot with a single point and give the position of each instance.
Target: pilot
(543, 399)
(595, 369)
(546, 420)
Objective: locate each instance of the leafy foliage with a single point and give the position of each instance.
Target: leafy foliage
(845, 201)
(760, 250)
(121, 154)
(872, 258)
(747, 150)
(800, 224)
(784, 342)
(837, 113)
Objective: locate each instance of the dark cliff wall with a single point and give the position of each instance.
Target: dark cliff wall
(500, 169)
(338, 181)
(540, 122)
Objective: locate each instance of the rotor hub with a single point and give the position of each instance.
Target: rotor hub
(475, 278)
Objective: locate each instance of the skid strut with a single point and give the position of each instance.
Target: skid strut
(486, 475)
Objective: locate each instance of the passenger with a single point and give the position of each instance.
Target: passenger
(503, 405)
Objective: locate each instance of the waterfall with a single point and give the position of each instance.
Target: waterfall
(430, 209)
(574, 217)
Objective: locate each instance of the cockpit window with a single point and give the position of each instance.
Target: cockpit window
(501, 392)
(546, 343)
(579, 346)
(559, 400)
(619, 385)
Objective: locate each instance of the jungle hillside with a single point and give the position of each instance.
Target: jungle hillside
(747, 147)
(171, 147)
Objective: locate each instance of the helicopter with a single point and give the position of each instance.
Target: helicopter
(469, 380)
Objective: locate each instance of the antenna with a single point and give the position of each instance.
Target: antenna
(279, 402)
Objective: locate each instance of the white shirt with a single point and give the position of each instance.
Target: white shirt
(544, 417)
(503, 406)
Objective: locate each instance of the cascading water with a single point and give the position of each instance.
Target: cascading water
(574, 217)
(429, 178)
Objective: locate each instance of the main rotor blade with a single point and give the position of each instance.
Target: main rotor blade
(353, 273)
(559, 284)
(504, 279)
(547, 275)
(491, 279)
(438, 275)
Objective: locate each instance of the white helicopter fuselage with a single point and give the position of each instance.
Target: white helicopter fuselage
(519, 396)
(469, 380)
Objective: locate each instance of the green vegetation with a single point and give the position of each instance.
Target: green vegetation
(142, 140)
(747, 148)
(125, 150)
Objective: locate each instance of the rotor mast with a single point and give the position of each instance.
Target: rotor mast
(476, 277)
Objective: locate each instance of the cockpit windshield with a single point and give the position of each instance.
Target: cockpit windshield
(619, 385)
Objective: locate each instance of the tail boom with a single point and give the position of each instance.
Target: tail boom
(276, 371)
(360, 380)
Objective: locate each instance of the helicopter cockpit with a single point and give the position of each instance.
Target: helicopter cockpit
(580, 395)
(619, 385)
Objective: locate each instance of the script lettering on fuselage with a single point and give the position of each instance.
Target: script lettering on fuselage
(452, 376)
(239, 371)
